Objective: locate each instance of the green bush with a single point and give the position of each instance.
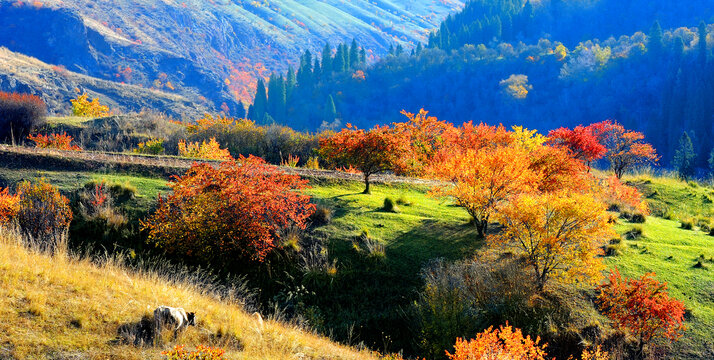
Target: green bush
(704, 224)
(390, 205)
(402, 200)
(634, 233)
(687, 224)
(322, 215)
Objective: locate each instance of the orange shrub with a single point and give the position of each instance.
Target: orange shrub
(9, 206)
(235, 211)
(201, 353)
(54, 141)
(502, 343)
(81, 106)
(210, 150)
(624, 197)
(44, 215)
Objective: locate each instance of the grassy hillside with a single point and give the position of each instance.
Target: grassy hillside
(59, 307)
(366, 296)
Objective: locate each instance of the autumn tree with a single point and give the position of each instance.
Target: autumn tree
(622, 197)
(581, 141)
(642, 307)
(424, 135)
(369, 151)
(20, 114)
(44, 214)
(559, 234)
(484, 181)
(82, 106)
(505, 342)
(626, 149)
(232, 212)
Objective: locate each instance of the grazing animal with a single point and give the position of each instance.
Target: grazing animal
(177, 318)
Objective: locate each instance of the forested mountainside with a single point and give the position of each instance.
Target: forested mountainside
(210, 52)
(657, 81)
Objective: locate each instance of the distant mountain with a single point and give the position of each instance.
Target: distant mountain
(209, 51)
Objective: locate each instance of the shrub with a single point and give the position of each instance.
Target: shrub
(313, 163)
(321, 216)
(151, 147)
(54, 141)
(402, 200)
(20, 114)
(9, 206)
(233, 212)
(44, 214)
(638, 218)
(291, 161)
(390, 205)
(81, 106)
(704, 223)
(687, 224)
(502, 343)
(119, 192)
(210, 150)
(201, 353)
(634, 233)
(711, 231)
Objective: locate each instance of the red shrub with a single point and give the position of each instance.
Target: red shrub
(20, 114)
(233, 211)
(201, 353)
(54, 141)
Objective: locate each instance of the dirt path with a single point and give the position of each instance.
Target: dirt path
(163, 166)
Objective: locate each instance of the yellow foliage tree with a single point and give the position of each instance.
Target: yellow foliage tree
(81, 106)
(559, 234)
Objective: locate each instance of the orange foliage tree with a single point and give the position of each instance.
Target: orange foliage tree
(54, 141)
(484, 181)
(233, 211)
(642, 307)
(210, 150)
(369, 151)
(625, 148)
(502, 343)
(81, 106)
(425, 138)
(559, 234)
(581, 141)
(9, 206)
(624, 197)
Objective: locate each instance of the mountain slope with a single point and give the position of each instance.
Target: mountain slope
(57, 308)
(216, 48)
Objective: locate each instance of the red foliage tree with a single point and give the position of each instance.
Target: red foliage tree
(580, 141)
(9, 206)
(642, 307)
(625, 148)
(233, 211)
(369, 151)
(425, 136)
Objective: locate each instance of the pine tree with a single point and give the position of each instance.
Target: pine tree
(330, 113)
(703, 43)
(419, 49)
(339, 64)
(290, 83)
(678, 48)
(240, 110)
(277, 98)
(354, 54)
(260, 104)
(399, 51)
(327, 60)
(316, 70)
(655, 40)
(684, 157)
(362, 56)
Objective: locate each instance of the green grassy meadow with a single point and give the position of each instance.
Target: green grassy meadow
(370, 291)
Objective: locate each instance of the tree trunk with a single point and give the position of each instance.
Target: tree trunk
(481, 227)
(366, 185)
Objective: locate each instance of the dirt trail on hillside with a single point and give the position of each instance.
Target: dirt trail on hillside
(166, 166)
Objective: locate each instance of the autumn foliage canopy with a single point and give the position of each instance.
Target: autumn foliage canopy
(54, 141)
(210, 150)
(642, 307)
(82, 106)
(231, 212)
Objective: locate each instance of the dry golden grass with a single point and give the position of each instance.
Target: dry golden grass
(64, 307)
